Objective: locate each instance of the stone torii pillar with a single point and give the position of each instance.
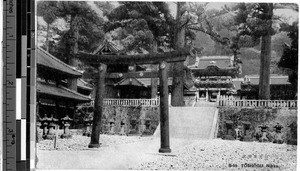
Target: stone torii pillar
(160, 58)
(164, 109)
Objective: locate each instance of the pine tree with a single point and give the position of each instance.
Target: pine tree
(289, 59)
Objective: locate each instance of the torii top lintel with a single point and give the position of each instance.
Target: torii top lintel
(173, 56)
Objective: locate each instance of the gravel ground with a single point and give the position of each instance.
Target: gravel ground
(227, 155)
(79, 142)
(140, 153)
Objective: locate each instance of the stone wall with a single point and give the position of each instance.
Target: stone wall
(250, 120)
(132, 119)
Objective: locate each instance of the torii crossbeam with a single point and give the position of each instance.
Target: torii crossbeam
(159, 58)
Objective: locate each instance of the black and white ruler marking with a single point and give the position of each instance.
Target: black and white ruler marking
(18, 85)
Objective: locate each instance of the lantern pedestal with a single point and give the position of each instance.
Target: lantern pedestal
(66, 123)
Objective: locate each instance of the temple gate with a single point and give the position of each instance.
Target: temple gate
(162, 59)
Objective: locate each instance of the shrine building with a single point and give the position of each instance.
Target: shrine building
(214, 76)
(280, 87)
(54, 98)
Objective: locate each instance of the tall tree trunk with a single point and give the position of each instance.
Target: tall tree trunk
(177, 84)
(47, 37)
(154, 81)
(72, 82)
(264, 77)
(98, 112)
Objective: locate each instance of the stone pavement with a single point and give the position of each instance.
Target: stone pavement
(118, 157)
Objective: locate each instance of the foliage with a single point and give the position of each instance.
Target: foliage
(138, 24)
(48, 10)
(84, 27)
(289, 57)
(254, 19)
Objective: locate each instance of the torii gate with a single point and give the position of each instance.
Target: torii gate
(159, 58)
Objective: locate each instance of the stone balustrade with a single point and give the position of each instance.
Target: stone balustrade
(132, 102)
(229, 101)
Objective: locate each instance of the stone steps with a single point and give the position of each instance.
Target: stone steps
(190, 122)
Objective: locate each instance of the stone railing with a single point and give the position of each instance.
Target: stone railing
(131, 102)
(258, 103)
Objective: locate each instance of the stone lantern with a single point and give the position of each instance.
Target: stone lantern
(246, 130)
(141, 127)
(104, 128)
(44, 125)
(122, 129)
(111, 127)
(38, 128)
(147, 127)
(278, 135)
(66, 124)
(238, 132)
(293, 134)
(264, 133)
(229, 128)
(87, 125)
(52, 123)
(133, 123)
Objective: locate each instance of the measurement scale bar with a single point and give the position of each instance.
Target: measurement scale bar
(18, 85)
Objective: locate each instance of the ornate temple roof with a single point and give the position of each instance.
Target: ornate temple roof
(219, 61)
(214, 66)
(213, 70)
(52, 64)
(107, 47)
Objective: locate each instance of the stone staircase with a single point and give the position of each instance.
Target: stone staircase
(192, 122)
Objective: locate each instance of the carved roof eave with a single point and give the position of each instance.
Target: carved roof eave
(47, 61)
(46, 90)
(215, 71)
(113, 47)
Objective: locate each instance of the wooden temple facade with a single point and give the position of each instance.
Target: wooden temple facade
(54, 98)
(214, 76)
(280, 87)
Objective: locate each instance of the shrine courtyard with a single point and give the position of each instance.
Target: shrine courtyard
(198, 141)
(140, 153)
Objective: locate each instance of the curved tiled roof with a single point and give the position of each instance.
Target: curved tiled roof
(274, 79)
(214, 70)
(219, 61)
(81, 83)
(60, 92)
(131, 81)
(49, 61)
